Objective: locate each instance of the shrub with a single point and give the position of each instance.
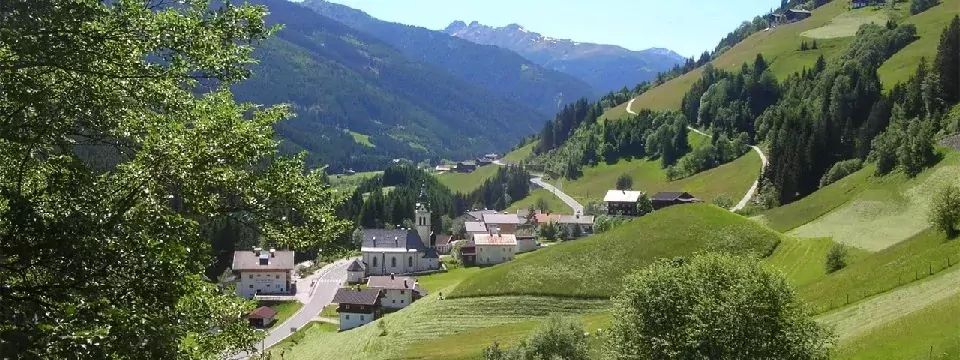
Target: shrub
(919, 6)
(945, 214)
(836, 258)
(712, 307)
(841, 170)
(723, 201)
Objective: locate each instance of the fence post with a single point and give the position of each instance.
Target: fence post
(930, 268)
(848, 298)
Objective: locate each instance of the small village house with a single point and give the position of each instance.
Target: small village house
(468, 252)
(398, 291)
(475, 227)
(262, 316)
(466, 166)
(502, 223)
(493, 249)
(483, 162)
(357, 306)
(401, 251)
(442, 243)
(477, 215)
(526, 243)
(263, 272)
(670, 198)
(622, 202)
(355, 272)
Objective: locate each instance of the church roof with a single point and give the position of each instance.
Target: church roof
(355, 266)
(392, 239)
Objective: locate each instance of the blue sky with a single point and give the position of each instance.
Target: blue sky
(687, 27)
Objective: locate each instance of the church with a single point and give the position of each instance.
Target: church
(400, 251)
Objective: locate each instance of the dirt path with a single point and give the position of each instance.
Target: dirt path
(882, 309)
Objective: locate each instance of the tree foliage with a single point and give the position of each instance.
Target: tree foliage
(945, 213)
(836, 258)
(919, 6)
(712, 307)
(556, 338)
(624, 182)
(121, 150)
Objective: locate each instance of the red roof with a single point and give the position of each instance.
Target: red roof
(262, 312)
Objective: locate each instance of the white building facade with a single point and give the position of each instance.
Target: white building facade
(495, 249)
(263, 272)
(401, 251)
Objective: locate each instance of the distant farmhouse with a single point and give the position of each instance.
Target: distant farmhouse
(263, 272)
(493, 249)
(665, 199)
(787, 17)
(856, 4)
(465, 166)
(622, 202)
(585, 222)
(358, 306)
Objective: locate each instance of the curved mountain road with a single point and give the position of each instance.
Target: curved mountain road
(577, 208)
(753, 188)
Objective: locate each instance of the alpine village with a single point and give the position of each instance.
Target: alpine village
(346, 179)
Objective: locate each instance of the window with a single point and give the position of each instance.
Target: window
(348, 316)
(410, 261)
(374, 261)
(401, 301)
(278, 276)
(251, 286)
(393, 262)
(268, 285)
(393, 301)
(401, 292)
(361, 318)
(347, 306)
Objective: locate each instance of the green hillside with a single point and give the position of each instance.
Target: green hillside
(554, 204)
(464, 183)
(593, 267)
(337, 78)
(833, 26)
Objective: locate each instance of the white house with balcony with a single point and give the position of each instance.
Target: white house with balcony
(398, 291)
(263, 272)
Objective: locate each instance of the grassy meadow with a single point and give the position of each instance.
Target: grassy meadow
(594, 266)
(464, 183)
(930, 25)
(554, 204)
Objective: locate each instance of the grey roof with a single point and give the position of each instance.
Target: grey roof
(501, 218)
(356, 296)
(670, 195)
(249, 260)
(377, 238)
(395, 283)
(478, 214)
(475, 226)
(573, 219)
(355, 266)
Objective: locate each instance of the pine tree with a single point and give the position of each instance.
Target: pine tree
(948, 62)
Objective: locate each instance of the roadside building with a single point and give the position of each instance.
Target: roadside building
(262, 316)
(355, 272)
(357, 306)
(401, 251)
(502, 223)
(263, 272)
(398, 291)
(526, 243)
(442, 243)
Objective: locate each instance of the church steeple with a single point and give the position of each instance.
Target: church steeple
(422, 218)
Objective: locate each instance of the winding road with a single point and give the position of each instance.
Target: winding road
(328, 280)
(577, 208)
(756, 183)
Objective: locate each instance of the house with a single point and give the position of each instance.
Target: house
(466, 166)
(670, 198)
(262, 316)
(492, 156)
(477, 215)
(442, 168)
(484, 162)
(856, 4)
(357, 306)
(475, 227)
(468, 252)
(442, 243)
(622, 202)
(398, 291)
(263, 272)
(355, 272)
(585, 222)
(492, 249)
(794, 15)
(526, 243)
(504, 223)
(400, 251)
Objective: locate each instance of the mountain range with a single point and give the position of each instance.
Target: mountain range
(498, 70)
(605, 67)
(360, 103)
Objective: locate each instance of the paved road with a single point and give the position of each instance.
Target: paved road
(328, 280)
(753, 188)
(577, 208)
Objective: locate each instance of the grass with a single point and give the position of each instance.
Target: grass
(554, 204)
(361, 139)
(732, 179)
(464, 183)
(346, 183)
(310, 330)
(443, 282)
(795, 214)
(847, 23)
(285, 309)
(521, 153)
(431, 319)
(929, 24)
(330, 311)
(802, 261)
(930, 333)
(886, 211)
(593, 267)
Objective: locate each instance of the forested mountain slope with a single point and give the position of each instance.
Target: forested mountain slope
(605, 67)
(360, 103)
(498, 70)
